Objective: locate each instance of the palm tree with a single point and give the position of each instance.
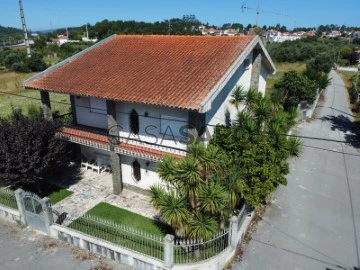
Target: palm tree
(251, 97)
(173, 208)
(214, 200)
(261, 111)
(202, 227)
(237, 96)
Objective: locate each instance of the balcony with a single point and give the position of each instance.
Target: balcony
(98, 138)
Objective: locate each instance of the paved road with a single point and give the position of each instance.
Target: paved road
(314, 222)
(27, 250)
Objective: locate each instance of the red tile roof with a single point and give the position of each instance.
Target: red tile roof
(172, 71)
(92, 138)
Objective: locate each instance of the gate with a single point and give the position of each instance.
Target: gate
(34, 212)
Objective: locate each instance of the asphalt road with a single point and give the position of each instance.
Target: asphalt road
(28, 250)
(314, 222)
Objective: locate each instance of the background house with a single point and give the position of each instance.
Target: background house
(137, 98)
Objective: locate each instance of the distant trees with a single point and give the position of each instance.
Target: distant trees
(17, 60)
(304, 49)
(28, 149)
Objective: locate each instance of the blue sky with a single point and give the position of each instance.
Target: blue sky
(44, 14)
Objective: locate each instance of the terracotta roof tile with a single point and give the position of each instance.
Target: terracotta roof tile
(172, 71)
(73, 133)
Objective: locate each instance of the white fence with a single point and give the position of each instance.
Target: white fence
(128, 246)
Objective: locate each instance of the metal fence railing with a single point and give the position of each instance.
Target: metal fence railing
(119, 234)
(190, 251)
(7, 198)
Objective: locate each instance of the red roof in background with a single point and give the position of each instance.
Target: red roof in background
(76, 134)
(172, 71)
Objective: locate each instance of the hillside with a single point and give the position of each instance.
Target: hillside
(9, 32)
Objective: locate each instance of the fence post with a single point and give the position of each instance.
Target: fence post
(234, 231)
(46, 206)
(169, 250)
(19, 196)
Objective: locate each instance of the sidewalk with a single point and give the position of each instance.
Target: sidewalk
(314, 222)
(26, 249)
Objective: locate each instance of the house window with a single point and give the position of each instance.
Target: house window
(136, 170)
(134, 122)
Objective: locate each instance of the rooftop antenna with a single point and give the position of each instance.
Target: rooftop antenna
(258, 11)
(26, 38)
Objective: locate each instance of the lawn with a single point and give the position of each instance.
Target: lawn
(281, 68)
(140, 233)
(133, 239)
(7, 198)
(125, 217)
(59, 195)
(11, 82)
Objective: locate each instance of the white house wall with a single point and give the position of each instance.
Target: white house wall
(92, 154)
(222, 111)
(149, 175)
(93, 117)
(262, 80)
(150, 127)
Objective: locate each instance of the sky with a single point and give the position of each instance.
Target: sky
(52, 14)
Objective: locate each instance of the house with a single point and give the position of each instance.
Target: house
(137, 98)
(61, 39)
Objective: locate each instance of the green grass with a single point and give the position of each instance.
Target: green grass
(125, 217)
(11, 82)
(281, 68)
(59, 195)
(7, 198)
(143, 234)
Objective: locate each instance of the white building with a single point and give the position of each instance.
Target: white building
(137, 98)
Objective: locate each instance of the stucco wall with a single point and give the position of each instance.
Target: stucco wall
(222, 111)
(148, 173)
(93, 153)
(93, 117)
(152, 127)
(262, 80)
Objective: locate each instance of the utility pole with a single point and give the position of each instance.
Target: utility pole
(27, 43)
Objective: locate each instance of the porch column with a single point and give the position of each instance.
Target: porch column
(197, 126)
(46, 106)
(115, 160)
(256, 69)
(73, 109)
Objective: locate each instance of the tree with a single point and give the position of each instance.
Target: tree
(295, 88)
(321, 63)
(200, 200)
(29, 149)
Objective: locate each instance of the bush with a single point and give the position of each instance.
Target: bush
(294, 88)
(321, 63)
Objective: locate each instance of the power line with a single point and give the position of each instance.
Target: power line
(184, 121)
